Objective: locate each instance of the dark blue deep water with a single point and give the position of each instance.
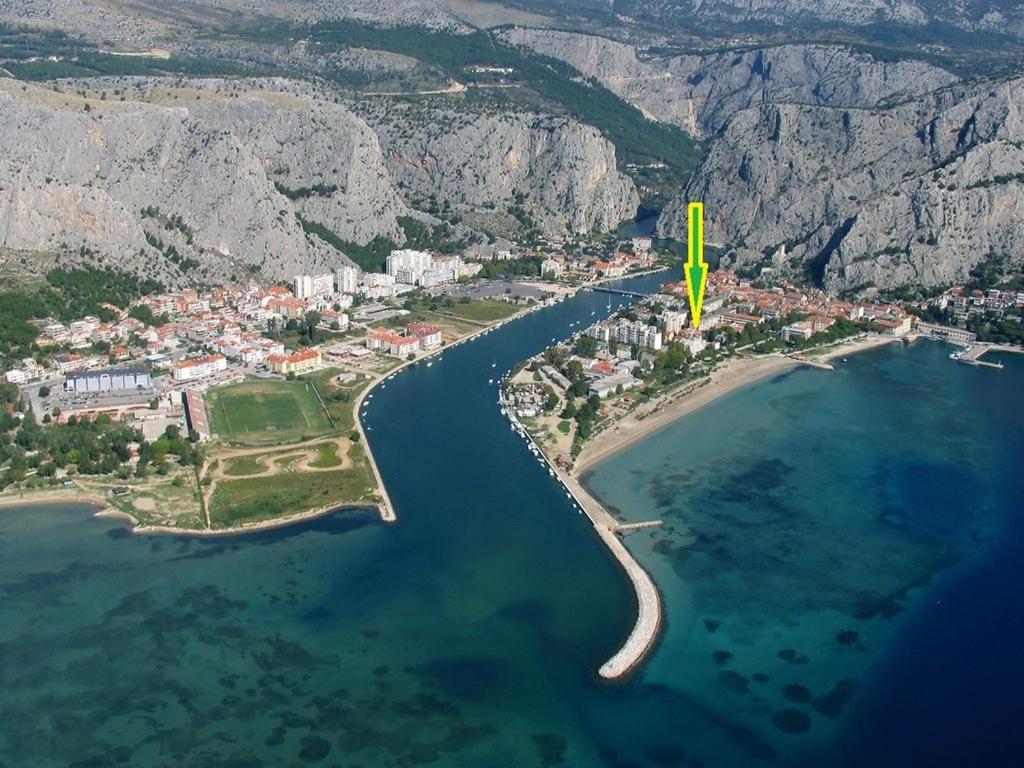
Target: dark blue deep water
(469, 633)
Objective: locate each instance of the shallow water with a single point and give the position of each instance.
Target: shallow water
(469, 633)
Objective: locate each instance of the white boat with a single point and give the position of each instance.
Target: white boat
(490, 381)
(430, 363)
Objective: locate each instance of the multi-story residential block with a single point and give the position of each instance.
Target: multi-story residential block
(628, 332)
(675, 321)
(199, 367)
(551, 268)
(346, 279)
(429, 335)
(395, 343)
(312, 286)
(298, 363)
(408, 261)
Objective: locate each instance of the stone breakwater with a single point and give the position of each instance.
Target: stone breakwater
(646, 630)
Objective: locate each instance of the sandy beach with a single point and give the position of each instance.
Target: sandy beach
(52, 496)
(733, 374)
(854, 346)
(651, 416)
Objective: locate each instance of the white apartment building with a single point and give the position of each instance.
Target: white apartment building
(551, 268)
(376, 280)
(694, 342)
(311, 286)
(199, 367)
(674, 321)
(628, 332)
(420, 268)
(346, 279)
(408, 260)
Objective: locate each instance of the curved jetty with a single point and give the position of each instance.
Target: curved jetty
(648, 620)
(644, 635)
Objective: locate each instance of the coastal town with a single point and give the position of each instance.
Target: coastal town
(194, 391)
(649, 351)
(618, 379)
(236, 406)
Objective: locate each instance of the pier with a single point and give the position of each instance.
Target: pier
(627, 527)
(811, 363)
(971, 355)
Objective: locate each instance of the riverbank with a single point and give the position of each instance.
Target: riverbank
(385, 507)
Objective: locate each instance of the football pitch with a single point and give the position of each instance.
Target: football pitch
(266, 411)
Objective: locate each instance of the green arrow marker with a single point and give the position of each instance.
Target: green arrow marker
(696, 268)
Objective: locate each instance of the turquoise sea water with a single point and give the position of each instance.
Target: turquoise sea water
(469, 633)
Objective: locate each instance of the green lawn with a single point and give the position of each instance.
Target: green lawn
(482, 310)
(243, 501)
(244, 465)
(261, 411)
(340, 398)
(327, 456)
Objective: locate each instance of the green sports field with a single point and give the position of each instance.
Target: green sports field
(263, 411)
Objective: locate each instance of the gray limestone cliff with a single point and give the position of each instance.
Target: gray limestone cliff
(205, 180)
(554, 172)
(700, 92)
(915, 193)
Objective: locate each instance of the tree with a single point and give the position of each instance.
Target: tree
(574, 370)
(44, 391)
(551, 402)
(586, 346)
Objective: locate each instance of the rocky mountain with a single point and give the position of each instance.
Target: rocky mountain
(504, 170)
(202, 180)
(80, 172)
(972, 15)
(700, 92)
(825, 162)
(914, 193)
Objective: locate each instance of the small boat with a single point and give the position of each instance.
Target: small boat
(490, 381)
(430, 363)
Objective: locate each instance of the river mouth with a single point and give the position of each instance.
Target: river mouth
(468, 632)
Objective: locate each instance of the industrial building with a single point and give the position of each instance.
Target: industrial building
(108, 380)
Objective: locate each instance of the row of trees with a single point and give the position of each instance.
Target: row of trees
(85, 446)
